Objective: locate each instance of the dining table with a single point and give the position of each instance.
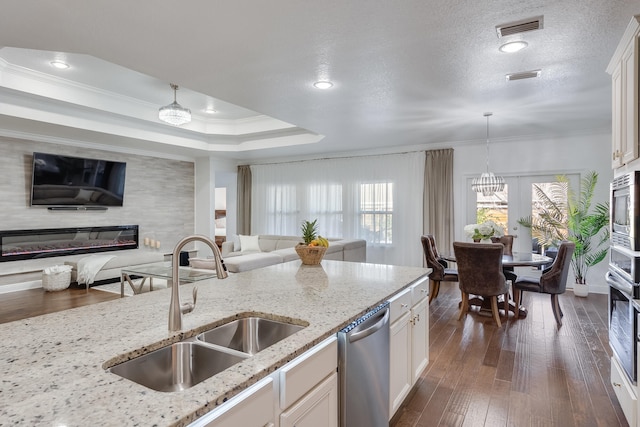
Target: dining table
(515, 259)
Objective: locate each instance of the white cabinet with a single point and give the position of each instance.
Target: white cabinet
(625, 392)
(623, 68)
(251, 408)
(409, 341)
(303, 393)
(309, 388)
(318, 408)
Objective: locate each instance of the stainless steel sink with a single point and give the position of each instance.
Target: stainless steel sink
(176, 367)
(250, 334)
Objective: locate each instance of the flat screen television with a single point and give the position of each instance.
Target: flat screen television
(76, 181)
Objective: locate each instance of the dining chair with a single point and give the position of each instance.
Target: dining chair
(440, 270)
(480, 273)
(553, 281)
(507, 241)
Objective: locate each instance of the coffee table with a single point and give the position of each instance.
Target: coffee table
(160, 270)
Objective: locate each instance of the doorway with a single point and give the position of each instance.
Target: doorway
(517, 200)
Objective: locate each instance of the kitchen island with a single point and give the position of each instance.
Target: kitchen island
(52, 367)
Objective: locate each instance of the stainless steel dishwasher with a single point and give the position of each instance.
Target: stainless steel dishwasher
(363, 368)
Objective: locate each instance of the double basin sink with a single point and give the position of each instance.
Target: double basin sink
(186, 363)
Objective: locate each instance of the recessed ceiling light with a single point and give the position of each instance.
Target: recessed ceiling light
(512, 47)
(323, 84)
(59, 64)
(210, 110)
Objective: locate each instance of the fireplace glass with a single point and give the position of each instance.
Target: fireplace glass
(41, 243)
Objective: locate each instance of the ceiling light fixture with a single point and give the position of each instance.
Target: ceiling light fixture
(324, 84)
(210, 110)
(512, 47)
(487, 183)
(174, 113)
(61, 65)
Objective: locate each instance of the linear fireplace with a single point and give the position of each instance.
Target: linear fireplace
(49, 242)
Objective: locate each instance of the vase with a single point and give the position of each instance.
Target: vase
(580, 289)
(482, 240)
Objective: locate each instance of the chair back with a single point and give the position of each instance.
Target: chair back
(507, 241)
(480, 268)
(430, 255)
(554, 278)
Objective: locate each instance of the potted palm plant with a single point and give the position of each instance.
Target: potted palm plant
(567, 215)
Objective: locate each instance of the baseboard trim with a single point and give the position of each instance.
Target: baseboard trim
(15, 287)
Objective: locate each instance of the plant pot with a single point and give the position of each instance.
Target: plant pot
(580, 290)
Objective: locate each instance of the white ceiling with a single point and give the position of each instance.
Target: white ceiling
(405, 73)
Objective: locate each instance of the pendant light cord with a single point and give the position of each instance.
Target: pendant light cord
(487, 115)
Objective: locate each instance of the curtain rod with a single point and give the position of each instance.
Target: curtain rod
(343, 157)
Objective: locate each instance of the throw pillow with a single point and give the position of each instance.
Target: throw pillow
(249, 243)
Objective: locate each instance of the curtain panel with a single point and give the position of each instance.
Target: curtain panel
(376, 198)
(438, 198)
(244, 200)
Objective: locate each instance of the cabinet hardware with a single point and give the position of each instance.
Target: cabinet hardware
(617, 385)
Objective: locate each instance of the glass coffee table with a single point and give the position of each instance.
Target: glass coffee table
(160, 270)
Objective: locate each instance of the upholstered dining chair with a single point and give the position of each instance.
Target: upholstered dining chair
(480, 273)
(553, 281)
(507, 241)
(440, 270)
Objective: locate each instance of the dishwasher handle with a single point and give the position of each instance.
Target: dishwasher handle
(383, 315)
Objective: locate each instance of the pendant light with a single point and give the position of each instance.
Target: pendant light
(487, 184)
(174, 113)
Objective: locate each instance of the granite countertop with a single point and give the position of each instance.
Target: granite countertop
(52, 367)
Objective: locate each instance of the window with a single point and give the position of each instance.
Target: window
(376, 212)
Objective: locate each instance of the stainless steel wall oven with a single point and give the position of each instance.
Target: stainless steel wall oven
(623, 322)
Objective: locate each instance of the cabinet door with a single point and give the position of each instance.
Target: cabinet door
(629, 137)
(419, 339)
(252, 408)
(318, 408)
(399, 362)
(616, 117)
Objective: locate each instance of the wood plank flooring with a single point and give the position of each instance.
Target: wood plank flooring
(35, 302)
(526, 373)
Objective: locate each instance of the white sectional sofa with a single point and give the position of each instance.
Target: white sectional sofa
(278, 249)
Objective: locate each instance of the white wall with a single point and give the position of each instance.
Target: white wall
(576, 154)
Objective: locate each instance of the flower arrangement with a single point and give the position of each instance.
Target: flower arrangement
(483, 231)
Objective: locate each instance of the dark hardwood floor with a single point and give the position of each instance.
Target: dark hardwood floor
(35, 302)
(526, 373)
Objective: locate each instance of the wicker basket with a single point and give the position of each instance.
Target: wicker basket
(310, 255)
(56, 281)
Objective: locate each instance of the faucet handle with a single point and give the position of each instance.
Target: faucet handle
(189, 306)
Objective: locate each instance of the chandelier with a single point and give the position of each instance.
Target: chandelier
(174, 113)
(487, 184)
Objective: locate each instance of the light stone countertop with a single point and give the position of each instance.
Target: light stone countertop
(52, 367)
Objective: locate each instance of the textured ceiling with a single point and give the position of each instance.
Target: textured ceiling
(405, 73)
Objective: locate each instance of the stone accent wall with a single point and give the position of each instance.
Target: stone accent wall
(159, 197)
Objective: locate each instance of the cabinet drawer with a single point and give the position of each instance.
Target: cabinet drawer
(252, 407)
(419, 291)
(303, 373)
(399, 304)
(624, 392)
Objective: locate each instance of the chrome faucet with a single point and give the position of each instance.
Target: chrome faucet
(176, 310)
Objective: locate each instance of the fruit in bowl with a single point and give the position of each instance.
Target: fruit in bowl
(314, 246)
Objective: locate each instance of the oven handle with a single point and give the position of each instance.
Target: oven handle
(614, 281)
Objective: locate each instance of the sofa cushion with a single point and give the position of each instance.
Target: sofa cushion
(287, 254)
(249, 244)
(247, 262)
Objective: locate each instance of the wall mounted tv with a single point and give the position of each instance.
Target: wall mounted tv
(76, 181)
